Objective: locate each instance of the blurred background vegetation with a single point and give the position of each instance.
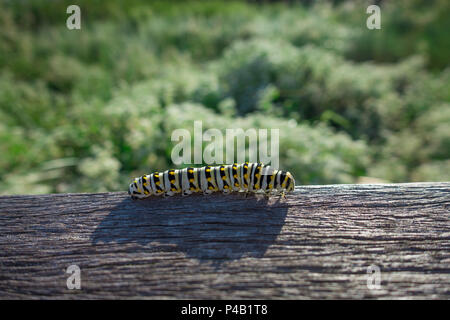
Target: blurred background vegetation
(86, 110)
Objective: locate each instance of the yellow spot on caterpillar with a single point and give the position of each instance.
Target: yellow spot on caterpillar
(157, 183)
(224, 178)
(209, 179)
(208, 170)
(191, 180)
(210, 188)
(245, 176)
(192, 188)
(225, 187)
(235, 176)
(173, 189)
(222, 169)
(257, 186)
(191, 171)
(245, 185)
(270, 186)
(236, 184)
(172, 173)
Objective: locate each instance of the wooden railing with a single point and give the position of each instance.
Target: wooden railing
(332, 241)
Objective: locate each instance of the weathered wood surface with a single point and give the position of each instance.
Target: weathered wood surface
(317, 243)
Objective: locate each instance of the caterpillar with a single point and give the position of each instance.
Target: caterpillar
(246, 177)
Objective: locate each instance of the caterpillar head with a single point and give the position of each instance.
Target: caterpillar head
(291, 182)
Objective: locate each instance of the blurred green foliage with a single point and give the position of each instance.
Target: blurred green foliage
(87, 110)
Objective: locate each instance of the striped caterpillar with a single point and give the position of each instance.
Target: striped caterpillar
(247, 177)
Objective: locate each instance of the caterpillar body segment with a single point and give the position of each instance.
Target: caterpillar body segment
(245, 177)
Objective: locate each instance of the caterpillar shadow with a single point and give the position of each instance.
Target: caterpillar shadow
(214, 229)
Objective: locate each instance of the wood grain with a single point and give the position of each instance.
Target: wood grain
(317, 243)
